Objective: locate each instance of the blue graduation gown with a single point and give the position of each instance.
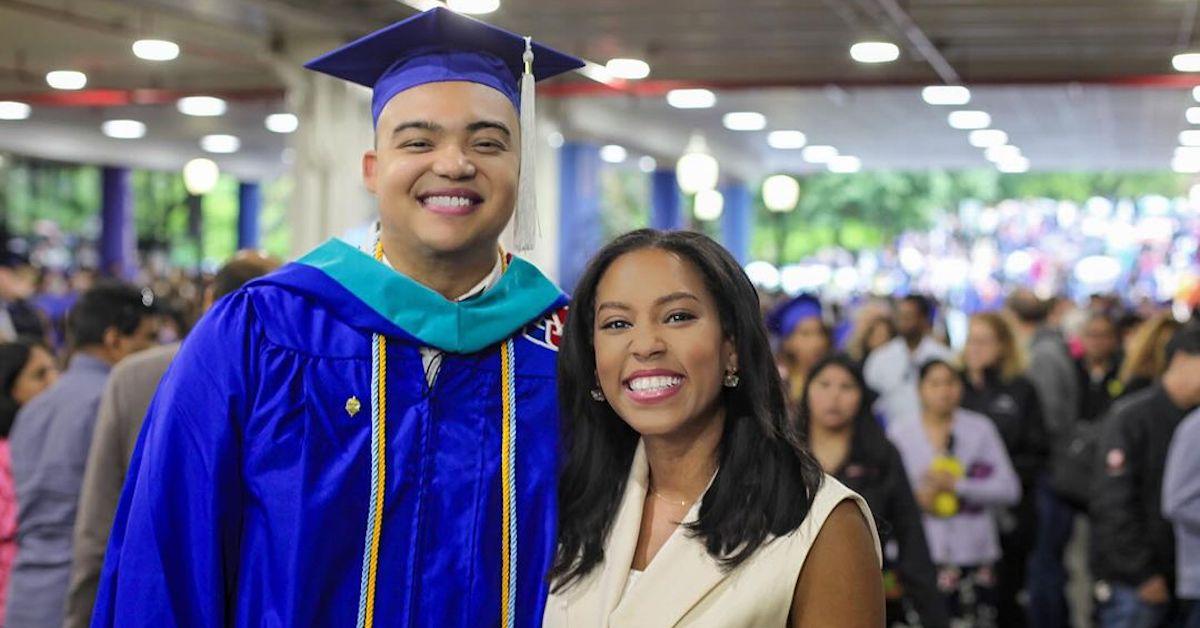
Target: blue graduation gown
(248, 494)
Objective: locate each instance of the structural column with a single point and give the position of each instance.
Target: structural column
(249, 211)
(118, 243)
(737, 221)
(665, 201)
(580, 226)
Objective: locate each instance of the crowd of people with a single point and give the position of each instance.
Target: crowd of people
(1048, 415)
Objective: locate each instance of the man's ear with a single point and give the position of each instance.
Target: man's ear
(369, 162)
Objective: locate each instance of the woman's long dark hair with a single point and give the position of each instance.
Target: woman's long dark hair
(13, 358)
(766, 479)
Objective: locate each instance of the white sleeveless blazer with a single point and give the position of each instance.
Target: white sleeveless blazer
(683, 585)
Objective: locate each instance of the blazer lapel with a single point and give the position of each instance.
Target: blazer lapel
(678, 577)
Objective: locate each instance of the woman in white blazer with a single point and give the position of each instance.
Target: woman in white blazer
(686, 498)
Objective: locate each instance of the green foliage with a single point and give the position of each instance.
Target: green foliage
(625, 201)
(869, 209)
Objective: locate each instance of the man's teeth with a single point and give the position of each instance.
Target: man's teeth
(643, 384)
(449, 201)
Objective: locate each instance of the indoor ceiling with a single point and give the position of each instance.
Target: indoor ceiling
(1076, 84)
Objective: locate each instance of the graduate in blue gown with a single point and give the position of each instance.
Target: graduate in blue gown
(369, 437)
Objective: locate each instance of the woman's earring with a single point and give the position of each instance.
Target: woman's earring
(731, 379)
(598, 395)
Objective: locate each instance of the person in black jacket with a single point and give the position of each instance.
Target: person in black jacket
(1133, 546)
(849, 443)
(993, 386)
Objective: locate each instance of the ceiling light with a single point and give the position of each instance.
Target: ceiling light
(1002, 153)
(744, 121)
(780, 193)
(200, 176)
(709, 204)
(66, 79)
(631, 69)
(1190, 137)
(786, 140)
(647, 164)
(874, 52)
(473, 7)
(985, 138)
(946, 95)
(613, 154)
(123, 129)
(13, 110)
(844, 164)
(1186, 62)
(220, 143)
(555, 139)
(691, 98)
(1196, 93)
(204, 106)
(282, 123)
(1013, 166)
(1193, 115)
(818, 154)
(969, 119)
(697, 169)
(155, 49)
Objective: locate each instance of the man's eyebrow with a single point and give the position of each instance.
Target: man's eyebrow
(423, 125)
(490, 124)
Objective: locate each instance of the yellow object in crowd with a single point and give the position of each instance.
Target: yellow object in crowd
(945, 503)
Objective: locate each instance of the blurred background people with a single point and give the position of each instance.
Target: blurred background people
(845, 438)
(957, 464)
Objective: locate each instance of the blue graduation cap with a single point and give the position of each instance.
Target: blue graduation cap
(787, 316)
(440, 45)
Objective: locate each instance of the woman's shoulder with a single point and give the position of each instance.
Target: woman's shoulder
(830, 495)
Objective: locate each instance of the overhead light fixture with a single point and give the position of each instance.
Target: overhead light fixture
(1186, 62)
(473, 7)
(968, 119)
(1196, 94)
(744, 121)
(203, 106)
(708, 205)
(14, 110)
(1185, 166)
(123, 129)
(818, 153)
(874, 52)
(200, 176)
(155, 49)
(282, 123)
(780, 193)
(844, 164)
(1002, 153)
(786, 140)
(647, 164)
(1190, 137)
(220, 143)
(613, 153)
(946, 95)
(66, 79)
(555, 139)
(691, 98)
(1187, 153)
(986, 138)
(1013, 166)
(1193, 115)
(697, 169)
(629, 69)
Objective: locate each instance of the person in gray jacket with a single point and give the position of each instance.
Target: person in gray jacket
(122, 410)
(1181, 506)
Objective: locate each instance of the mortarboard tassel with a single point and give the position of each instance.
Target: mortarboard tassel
(525, 231)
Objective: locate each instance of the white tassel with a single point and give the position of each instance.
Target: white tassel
(526, 229)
